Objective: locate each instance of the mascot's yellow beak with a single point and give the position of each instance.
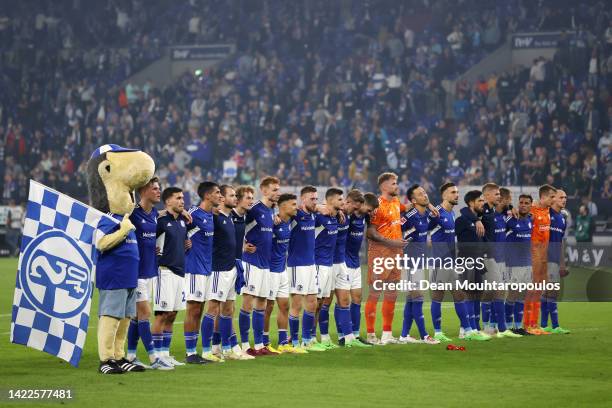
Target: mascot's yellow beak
(122, 173)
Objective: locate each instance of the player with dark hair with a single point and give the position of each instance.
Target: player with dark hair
(169, 287)
(415, 227)
(287, 209)
(198, 265)
(302, 271)
(470, 245)
(443, 247)
(518, 257)
(347, 267)
(326, 233)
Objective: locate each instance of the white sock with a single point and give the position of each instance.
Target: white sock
(237, 349)
(325, 337)
(130, 357)
(387, 334)
(216, 349)
(246, 346)
(259, 346)
(152, 357)
(349, 338)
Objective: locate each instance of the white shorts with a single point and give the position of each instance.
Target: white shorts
(346, 278)
(144, 289)
(416, 277)
(195, 287)
(257, 281)
(279, 285)
(554, 275)
(220, 286)
(443, 276)
(169, 289)
(324, 281)
(494, 270)
(303, 280)
(521, 274)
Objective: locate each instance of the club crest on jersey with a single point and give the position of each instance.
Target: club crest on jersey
(198, 293)
(252, 288)
(403, 220)
(164, 304)
(300, 287)
(182, 223)
(45, 274)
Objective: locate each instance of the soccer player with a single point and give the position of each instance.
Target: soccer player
(144, 218)
(495, 229)
(415, 227)
(245, 196)
(519, 256)
(198, 265)
(539, 251)
(279, 282)
(326, 233)
(302, 271)
(347, 267)
(258, 232)
(556, 263)
(169, 287)
(443, 247)
(384, 235)
(470, 245)
(220, 290)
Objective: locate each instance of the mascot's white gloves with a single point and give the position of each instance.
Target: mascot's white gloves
(110, 241)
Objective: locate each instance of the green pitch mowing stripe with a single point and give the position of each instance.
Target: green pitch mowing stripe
(547, 371)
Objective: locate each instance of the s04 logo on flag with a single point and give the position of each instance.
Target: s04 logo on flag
(54, 281)
(47, 278)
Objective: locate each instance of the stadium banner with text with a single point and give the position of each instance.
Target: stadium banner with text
(522, 41)
(55, 274)
(202, 52)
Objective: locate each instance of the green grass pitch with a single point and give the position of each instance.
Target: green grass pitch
(571, 370)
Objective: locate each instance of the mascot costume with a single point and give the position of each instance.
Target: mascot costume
(113, 174)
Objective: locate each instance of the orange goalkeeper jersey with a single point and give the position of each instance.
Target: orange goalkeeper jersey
(541, 225)
(386, 218)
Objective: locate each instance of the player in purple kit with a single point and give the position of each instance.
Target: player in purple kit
(144, 218)
(198, 265)
(556, 263)
(258, 231)
(518, 259)
(326, 233)
(302, 271)
(443, 247)
(347, 267)
(279, 288)
(220, 290)
(415, 228)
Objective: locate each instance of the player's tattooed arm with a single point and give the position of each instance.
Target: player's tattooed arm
(373, 235)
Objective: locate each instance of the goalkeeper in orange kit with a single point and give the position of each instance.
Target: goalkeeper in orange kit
(540, 233)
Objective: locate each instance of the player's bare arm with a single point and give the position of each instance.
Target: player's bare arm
(373, 235)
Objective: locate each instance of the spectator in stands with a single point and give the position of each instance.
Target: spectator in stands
(584, 225)
(14, 226)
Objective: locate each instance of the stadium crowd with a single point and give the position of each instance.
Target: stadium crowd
(321, 92)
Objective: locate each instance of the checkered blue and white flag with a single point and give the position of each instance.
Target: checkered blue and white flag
(55, 274)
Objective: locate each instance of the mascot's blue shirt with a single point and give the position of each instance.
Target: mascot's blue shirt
(117, 268)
